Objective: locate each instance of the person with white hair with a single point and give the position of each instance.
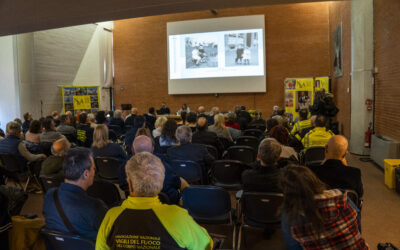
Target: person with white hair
(117, 119)
(142, 221)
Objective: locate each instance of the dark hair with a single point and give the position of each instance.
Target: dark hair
(169, 129)
(82, 118)
(35, 127)
(191, 117)
(100, 117)
(303, 114)
(280, 111)
(320, 121)
(151, 110)
(183, 116)
(76, 162)
(138, 121)
(280, 133)
(47, 124)
(26, 116)
(272, 123)
(63, 118)
(299, 186)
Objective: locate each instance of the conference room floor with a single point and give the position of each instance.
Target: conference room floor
(380, 213)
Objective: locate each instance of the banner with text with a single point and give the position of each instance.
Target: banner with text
(83, 98)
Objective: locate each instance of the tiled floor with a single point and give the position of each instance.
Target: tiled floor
(380, 213)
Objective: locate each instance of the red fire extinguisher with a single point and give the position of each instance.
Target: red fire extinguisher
(368, 135)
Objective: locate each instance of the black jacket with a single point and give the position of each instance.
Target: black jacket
(336, 175)
(191, 152)
(261, 179)
(207, 138)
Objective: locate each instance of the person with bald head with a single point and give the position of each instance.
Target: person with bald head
(129, 120)
(53, 164)
(204, 136)
(334, 170)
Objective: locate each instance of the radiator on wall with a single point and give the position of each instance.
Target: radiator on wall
(384, 148)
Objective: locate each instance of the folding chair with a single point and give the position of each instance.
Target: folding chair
(105, 191)
(253, 132)
(227, 174)
(55, 240)
(314, 156)
(258, 126)
(189, 170)
(49, 181)
(108, 168)
(244, 154)
(250, 141)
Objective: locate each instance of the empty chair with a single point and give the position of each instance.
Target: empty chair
(244, 154)
(49, 181)
(314, 156)
(253, 132)
(189, 170)
(250, 141)
(108, 168)
(55, 240)
(227, 174)
(12, 167)
(105, 191)
(209, 205)
(258, 126)
(259, 210)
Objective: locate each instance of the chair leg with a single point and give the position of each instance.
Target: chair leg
(234, 238)
(27, 183)
(240, 237)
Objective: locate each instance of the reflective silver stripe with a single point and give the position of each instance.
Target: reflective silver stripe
(308, 140)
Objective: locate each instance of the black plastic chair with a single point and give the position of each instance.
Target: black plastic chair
(164, 198)
(258, 126)
(244, 154)
(253, 132)
(12, 167)
(45, 148)
(250, 141)
(354, 197)
(105, 191)
(108, 168)
(49, 181)
(314, 156)
(112, 135)
(209, 205)
(212, 150)
(228, 174)
(225, 142)
(55, 240)
(117, 129)
(189, 170)
(259, 210)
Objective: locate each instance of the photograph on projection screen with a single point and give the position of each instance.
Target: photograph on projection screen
(201, 51)
(241, 49)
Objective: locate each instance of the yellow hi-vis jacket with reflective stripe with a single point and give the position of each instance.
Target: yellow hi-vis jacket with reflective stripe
(317, 137)
(299, 126)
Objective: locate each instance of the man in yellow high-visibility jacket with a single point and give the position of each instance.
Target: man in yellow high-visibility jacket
(301, 127)
(318, 136)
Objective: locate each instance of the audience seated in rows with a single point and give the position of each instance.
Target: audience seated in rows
(187, 151)
(159, 125)
(264, 177)
(203, 136)
(334, 171)
(52, 165)
(34, 132)
(50, 134)
(169, 227)
(219, 127)
(83, 212)
(318, 136)
(316, 218)
(117, 119)
(84, 133)
(65, 127)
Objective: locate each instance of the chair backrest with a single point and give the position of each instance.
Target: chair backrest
(188, 170)
(105, 191)
(164, 198)
(227, 173)
(12, 163)
(112, 135)
(253, 132)
(206, 202)
(45, 147)
(244, 154)
(261, 207)
(250, 141)
(117, 129)
(314, 156)
(258, 126)
(212, 150)
(354, 197)
(108, 168)
(225, 142)
(49, 181)
(55, 240)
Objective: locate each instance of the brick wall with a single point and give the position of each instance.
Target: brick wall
(386, 53)
(297, 45)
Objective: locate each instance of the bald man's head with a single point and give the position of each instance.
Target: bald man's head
(336, 148)
(202, 123)
(60, 147)
(134, 111)
(201, 110)
(141, 144)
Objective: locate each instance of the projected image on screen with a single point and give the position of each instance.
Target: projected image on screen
(241, 49)
(201, 52)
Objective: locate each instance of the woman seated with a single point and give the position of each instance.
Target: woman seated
(103, 147)
(191, 119)
(159, 125)
(316, 218)
(219, 127)
(33, 134)
(281, 134)
(167, 137)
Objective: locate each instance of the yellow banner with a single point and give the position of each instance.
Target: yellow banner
(81, 102)
(322, 83)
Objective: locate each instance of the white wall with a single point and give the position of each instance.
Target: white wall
(9, 93)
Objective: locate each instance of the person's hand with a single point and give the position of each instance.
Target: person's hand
(43, 156)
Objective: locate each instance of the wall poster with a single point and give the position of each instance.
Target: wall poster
(82, 98)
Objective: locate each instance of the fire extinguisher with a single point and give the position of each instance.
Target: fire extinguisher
(368, 135)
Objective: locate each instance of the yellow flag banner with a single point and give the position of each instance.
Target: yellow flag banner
(81, 98)
(81, 102)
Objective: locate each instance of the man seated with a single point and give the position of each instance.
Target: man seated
(301, 127)
(187, 151)
(334, 170)
(27, 122)
(65, 127)
(265, 176)
(129, 121)
(142, 220)
(203, 136)
(83, 212)
(53, 164)
(50, 134)
(117, 119)
(318, 136)
(164, 110)
(84, 133)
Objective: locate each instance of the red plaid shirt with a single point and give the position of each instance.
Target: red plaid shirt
(341, 228)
